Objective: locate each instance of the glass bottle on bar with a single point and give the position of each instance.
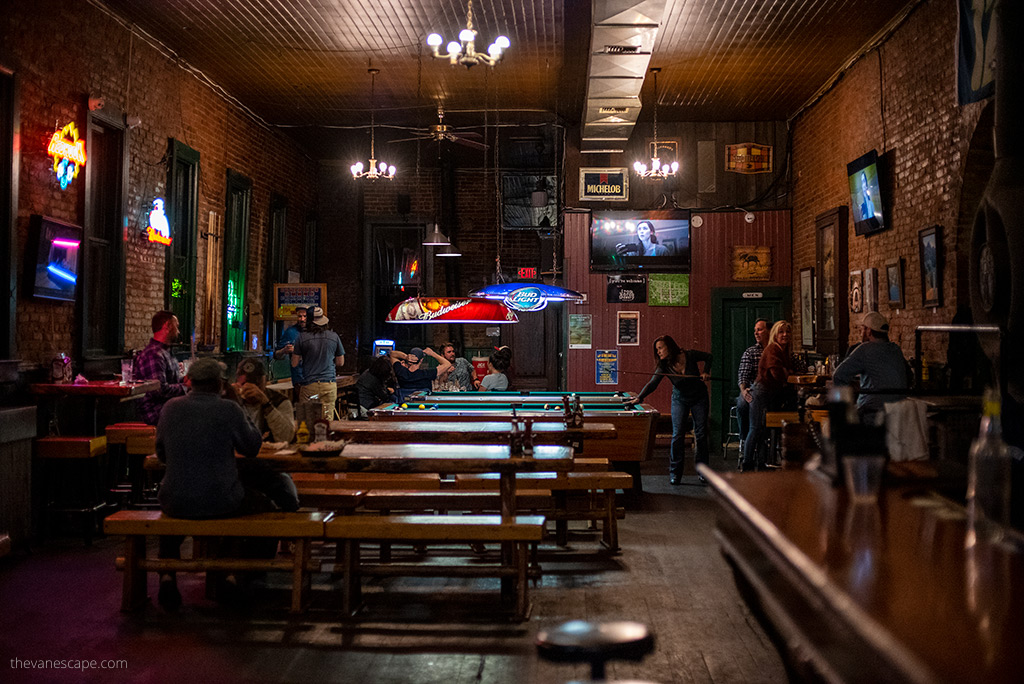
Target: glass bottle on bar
(988, 473)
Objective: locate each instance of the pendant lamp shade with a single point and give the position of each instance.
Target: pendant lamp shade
(436, 238)
(450, 310)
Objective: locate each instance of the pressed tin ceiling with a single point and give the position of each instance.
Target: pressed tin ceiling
(302, 64)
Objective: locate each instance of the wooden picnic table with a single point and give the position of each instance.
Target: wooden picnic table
(490, 432)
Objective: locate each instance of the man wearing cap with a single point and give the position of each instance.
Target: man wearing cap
(155, 362)
(409, 370)
(878, 363)
(286, 346)
(270, 410)
(197, 437)
(320, 351)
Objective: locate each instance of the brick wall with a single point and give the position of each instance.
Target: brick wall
(65, 51)
(901, 100)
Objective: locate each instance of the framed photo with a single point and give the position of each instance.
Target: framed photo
(807, 308)
(929, 242)
(750, 262)
(831, 316)
(870, 289)
(856, 291)
(894, 283)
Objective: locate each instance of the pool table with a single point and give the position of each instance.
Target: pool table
(635, 424)
(546, 397)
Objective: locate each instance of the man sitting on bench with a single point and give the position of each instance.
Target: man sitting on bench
(197, 437)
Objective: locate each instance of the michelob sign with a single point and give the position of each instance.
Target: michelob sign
(604, 184)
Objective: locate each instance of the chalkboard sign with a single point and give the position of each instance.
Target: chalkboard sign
(627, 289)
(629, 328)
(290, 297)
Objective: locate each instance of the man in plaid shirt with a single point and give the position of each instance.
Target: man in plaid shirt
(155, 362)
(746, 375)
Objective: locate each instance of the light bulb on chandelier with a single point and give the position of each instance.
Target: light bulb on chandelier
(464, 51)
(374, 171)
(658, 171)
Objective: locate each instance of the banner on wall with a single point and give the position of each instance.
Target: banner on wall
(669, 289)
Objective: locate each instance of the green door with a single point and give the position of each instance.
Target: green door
(734, 312)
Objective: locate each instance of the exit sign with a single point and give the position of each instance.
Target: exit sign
(528, 272)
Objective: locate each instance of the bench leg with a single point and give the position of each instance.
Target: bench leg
(133, 592)
(522, 585)
(561, 525)
(611, 522)
(300, 578)
(350, 592)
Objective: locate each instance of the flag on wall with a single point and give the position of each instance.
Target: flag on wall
(976, 50)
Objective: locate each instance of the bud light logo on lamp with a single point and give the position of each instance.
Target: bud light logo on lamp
(526, 299)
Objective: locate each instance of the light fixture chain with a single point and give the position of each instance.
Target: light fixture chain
(655, 113)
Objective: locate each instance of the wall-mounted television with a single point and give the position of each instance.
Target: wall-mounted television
(656, 241)
(58, 258)
(866, 194)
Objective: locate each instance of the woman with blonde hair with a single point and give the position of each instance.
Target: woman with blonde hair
(770, 389)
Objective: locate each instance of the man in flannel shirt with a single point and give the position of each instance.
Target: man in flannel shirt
(746, 375)
(155, 362)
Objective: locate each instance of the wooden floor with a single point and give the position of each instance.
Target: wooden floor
(61, 602)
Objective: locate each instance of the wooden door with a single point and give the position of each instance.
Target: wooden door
(535, 342)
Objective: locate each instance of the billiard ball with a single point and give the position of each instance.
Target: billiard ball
(423, 406)
(545, 406)
(405, 406)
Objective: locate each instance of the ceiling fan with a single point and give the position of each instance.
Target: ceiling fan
(442, 131)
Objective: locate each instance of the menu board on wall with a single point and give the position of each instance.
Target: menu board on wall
(629, 329)
(290, 297)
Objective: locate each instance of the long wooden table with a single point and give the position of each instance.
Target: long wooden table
(453, 432)
(876, 593)
(430, 458)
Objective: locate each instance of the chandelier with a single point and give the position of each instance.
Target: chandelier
(463, 51)
(374, 171)
(658, 171)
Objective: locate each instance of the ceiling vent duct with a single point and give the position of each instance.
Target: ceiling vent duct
(622, 40)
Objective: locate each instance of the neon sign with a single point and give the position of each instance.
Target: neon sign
(68, 154)
(158, 229)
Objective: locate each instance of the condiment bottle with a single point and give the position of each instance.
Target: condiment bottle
(302, 434)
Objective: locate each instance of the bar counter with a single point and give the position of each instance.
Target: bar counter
(873, 593)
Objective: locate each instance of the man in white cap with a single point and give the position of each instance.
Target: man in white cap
(320, 351)
(878, 363)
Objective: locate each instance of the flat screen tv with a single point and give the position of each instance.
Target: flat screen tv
(656, 241)
(866, 195)
(58, 259)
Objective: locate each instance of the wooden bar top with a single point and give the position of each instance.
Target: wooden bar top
(95, 388)
(884, 592)
(463, 432)
(423, 458)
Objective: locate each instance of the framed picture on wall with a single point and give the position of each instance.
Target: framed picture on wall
(831, 315)
(856, 291)
(807, 308)
(894, 283)
(929, 241)
(870, 289)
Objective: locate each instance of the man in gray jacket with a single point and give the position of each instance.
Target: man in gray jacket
(880, 366)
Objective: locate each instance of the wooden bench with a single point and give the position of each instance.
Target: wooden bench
(601, 507)
(300, 527)
(518, 534)
(364, 481)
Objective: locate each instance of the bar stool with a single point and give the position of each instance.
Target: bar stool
(577, 641)
(131, 476)
(734, 427)
(72, 480)
(138, 445)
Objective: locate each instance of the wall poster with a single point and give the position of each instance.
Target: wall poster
(290, 297)
(606, 366)
(627, 289)
(668, 289)
(580, 331)
(629, 329)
